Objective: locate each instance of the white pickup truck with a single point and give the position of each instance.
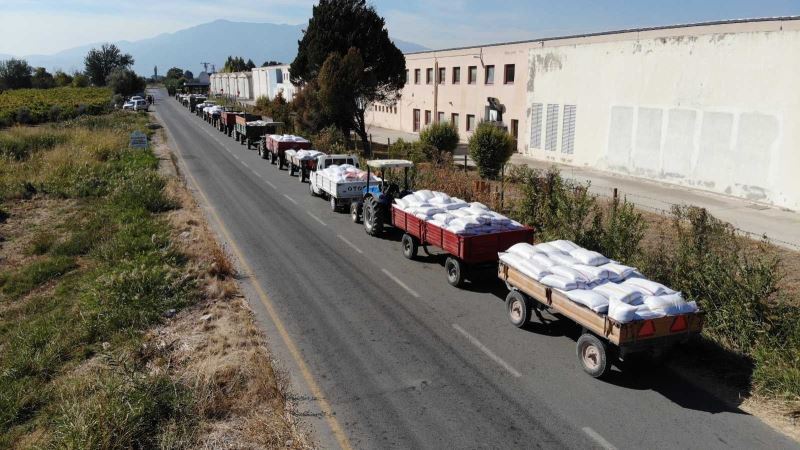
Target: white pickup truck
(323, 183)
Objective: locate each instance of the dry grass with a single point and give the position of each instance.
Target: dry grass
(216, 348)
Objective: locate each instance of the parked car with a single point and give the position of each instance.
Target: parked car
(140, 105)
(128, 105)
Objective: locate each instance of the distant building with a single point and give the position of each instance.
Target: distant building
(238, 85)
(711, 105)
(272, 80)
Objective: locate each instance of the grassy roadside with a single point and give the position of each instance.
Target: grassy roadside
(120, 322)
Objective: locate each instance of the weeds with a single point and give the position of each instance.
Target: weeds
(35, 274)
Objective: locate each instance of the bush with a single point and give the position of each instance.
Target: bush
(24, 115)
(21, 143)
(490, 147)
(330, 140)
(441, 136)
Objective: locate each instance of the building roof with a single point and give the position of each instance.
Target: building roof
(622, 31)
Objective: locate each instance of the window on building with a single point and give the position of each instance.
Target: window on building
(428, 76)
(515, 132)
(440, 117)
(568, 130)
(407, 80)
(456, 75)
(416, 76)
(427, 117)
(472, 74)
(278, 76)
(470, 122)
(489, 75)
(551, 131)
(416, 120)
(508, 74)
(442, 75)
(454, 120)
(536, 126)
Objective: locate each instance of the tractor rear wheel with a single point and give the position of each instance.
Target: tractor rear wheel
(373, 217)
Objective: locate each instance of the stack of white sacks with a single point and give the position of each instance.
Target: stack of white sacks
(286, 137)
(346, 173)
(304, 155)
(454, 214)
(600, 284)
(257, 123)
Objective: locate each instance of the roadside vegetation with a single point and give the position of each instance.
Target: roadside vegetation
(32, 106)
(120, 323)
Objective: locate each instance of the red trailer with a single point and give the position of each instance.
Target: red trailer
(227, 121)
(274, 147)
(465, 253)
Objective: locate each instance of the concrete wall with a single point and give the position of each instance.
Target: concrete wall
(708, 107)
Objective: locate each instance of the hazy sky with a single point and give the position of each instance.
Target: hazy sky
(47, 26)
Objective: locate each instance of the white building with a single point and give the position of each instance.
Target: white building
(712, 106)
(270, 81)
(233, 84)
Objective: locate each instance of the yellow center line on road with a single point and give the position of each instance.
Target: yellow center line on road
(336, 428)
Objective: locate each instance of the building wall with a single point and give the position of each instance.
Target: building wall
(267, 82)
(708, 107)
(232, 83)
(462, 98)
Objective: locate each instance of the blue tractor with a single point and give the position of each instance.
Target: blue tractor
(375, 206)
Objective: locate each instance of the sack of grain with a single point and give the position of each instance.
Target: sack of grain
(590, 299)
(649, 286)
(620, 311)
(558, 282)
(624, 294)
(588, 257)
(565, 245)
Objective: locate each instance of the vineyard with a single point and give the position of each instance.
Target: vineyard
(30, 106)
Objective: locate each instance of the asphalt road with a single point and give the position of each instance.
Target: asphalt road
(405, 360)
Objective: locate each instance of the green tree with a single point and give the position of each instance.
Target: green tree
(62, 78)
(490, 147)
(271, 63)
(442, 136)
(101, 62)
(336, 27)
(235, 64)
(15, 74)
(250, 64)
(125, 82)
(174, 73)
(42, 79)
(80, 80)
(188, 75)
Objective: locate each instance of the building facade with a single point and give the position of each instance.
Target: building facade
(710, 106)
(271, 81)
(238, 85)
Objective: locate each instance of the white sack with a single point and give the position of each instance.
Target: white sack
(649, 286)
(558, 282)
(524, 265)
(564, 245)
(617, 272)
(645, 313)
(590, 299)
(545, 247)
(670, 305)
(424, 195)
(624, 294)
(522, 249)
(569, 273)
(543, 259)
(479, 205)
(444, 218)
(562, 259)
(621, 312)
(401, 203)
(588, 257)
(591, 272)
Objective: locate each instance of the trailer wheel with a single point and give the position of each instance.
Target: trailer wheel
(354, 213)
(410, 246)
(311, 189)
(593, 355)
(334, 204)
(455, 271)
(291, 169)
(249, 146)
(518, 307)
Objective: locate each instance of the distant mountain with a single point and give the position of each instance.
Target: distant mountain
(211, 42)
